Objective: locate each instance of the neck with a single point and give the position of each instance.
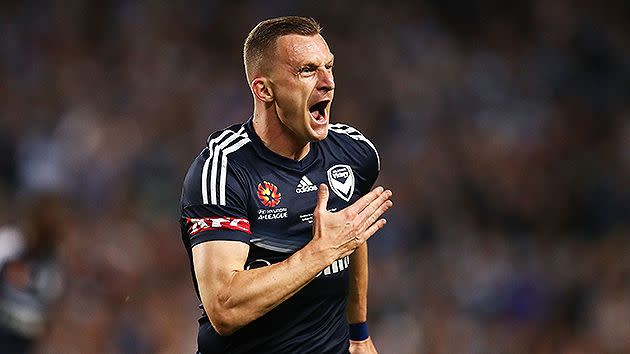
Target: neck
(276, 136)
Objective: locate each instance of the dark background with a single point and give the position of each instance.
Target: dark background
(503, 129)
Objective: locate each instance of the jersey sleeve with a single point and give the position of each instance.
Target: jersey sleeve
(372, 165)
(213, 203)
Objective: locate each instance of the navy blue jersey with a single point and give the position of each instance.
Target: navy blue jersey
(239, 190)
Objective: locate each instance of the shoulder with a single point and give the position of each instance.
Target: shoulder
(352, 139)
(206, 179)
(227, 140)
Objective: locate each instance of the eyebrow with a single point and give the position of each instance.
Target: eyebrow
(310, 63)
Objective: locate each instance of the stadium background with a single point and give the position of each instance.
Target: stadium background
(503, 128)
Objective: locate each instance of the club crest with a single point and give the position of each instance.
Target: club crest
(341, 181)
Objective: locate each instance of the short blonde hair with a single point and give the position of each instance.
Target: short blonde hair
(262, 38)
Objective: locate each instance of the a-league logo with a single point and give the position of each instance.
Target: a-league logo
(268, 194)
(341, 181)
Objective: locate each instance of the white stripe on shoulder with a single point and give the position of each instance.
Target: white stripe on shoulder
(239, 138)
(224, 161)
(356, 135)
(204, 173)
(204, 180)
(215, 163)
(216, 146)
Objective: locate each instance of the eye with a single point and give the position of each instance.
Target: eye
(307, 69)
(330, 66)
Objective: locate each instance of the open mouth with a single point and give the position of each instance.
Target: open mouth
(318, 111)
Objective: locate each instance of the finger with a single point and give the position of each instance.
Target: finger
(377, 214)
(375, 209)
(322, 199)
(373, 228)
(364, 201)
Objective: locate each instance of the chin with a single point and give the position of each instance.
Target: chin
(319, 133)
(320, 136)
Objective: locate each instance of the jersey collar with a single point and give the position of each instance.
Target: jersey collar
(271, 156)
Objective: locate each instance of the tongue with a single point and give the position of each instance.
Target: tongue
(315, 114)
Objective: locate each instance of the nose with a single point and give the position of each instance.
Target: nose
(326, 81)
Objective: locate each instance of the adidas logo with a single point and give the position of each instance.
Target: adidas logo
(305, 186)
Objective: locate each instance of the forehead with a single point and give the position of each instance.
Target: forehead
(295, 49)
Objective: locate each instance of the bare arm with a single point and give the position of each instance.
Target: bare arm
(234, 297)
(356, 310)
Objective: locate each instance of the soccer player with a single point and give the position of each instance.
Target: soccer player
(276, 211)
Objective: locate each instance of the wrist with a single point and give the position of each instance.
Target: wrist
(316, 257)
(324, 256)
(358, 331)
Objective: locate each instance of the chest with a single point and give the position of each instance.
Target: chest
(281, 201)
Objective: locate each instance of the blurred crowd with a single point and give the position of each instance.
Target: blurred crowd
(503, 130)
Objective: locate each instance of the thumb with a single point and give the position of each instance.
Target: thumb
(322, 198)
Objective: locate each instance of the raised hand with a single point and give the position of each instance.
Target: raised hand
(343, 231)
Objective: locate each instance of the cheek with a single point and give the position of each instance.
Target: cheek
(286, 91)
(290, 102)
(293, 98)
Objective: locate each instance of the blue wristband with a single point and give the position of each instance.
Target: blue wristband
(359, 331)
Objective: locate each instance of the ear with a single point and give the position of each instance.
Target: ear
(261, 88)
